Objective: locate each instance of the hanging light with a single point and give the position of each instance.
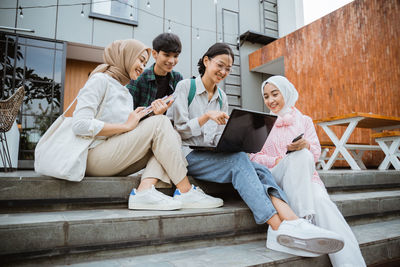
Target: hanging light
(148, 4)
(169, 26)
(82, 13)
(215, 2)
(198, 34)
(20, 12)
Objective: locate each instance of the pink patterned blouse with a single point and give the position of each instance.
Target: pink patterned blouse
(286, 128)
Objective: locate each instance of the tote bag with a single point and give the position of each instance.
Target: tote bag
(62, 154)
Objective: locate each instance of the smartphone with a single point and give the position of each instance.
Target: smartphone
(149, 110)
(298, 138)
(294, 140)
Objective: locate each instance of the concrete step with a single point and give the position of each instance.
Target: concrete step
(27, 189)
(379, 243)
(361, 204)
(60, 232)
(364, 179)
(32, 191)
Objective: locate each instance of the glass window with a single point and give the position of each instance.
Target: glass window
(123, 11)
(56, 103)
(33, 127)
(39, 63)
(38, 98)
(58, 66)
(40, 43)
(20, 66)
(8, 51)
(21, 40)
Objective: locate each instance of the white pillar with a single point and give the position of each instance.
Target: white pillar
(13, 136)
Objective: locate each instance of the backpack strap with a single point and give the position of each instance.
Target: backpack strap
(220, 98)
(192, 93)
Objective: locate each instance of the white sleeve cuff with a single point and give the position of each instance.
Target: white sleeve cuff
(194, 127)
(95, 127)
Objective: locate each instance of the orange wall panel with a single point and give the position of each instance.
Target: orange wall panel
(76, 74)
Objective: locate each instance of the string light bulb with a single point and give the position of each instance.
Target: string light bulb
(131, 15)
(169, 26)
(20, 8)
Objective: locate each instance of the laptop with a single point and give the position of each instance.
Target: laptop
(246, 131)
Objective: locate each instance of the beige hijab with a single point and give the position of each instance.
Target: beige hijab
(119, 57)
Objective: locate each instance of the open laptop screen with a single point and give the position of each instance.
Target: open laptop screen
(246, 131)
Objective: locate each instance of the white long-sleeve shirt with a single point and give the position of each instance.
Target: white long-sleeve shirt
(186, 118)
(117, 106)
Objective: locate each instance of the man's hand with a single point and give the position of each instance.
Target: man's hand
(159, 106)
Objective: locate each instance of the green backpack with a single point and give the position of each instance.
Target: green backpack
(192, 93)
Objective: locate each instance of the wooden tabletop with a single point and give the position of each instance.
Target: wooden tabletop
(386, 134)
(370, 120)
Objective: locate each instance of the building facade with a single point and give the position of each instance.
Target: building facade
(50, 46)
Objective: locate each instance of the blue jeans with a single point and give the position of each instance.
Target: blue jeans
(253, 181)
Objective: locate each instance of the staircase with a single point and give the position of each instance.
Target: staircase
(46, 221)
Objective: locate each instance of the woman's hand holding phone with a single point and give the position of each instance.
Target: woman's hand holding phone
(297, 144)
(134, 118)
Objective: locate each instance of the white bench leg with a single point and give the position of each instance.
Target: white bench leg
(321, 161)
(358, 158)
(340, 145)
(391, 151)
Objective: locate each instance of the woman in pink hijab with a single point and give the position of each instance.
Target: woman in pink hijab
(293, 166)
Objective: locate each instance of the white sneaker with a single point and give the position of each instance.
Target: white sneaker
(152, 199)
(273, 244)
(195, 198)
(303, 235)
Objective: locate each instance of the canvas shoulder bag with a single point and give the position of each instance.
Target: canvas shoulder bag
(62, 154)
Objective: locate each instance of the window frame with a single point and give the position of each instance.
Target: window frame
(25, 159)
(111, 18)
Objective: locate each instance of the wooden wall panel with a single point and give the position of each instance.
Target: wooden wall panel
(76, 75)
(346, 61)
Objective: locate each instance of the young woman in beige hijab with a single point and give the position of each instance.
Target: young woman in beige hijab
(123, 144)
